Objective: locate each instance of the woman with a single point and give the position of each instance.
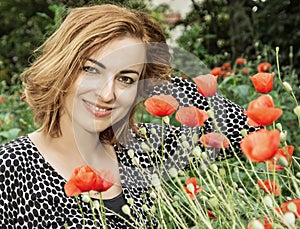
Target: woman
(84, 87)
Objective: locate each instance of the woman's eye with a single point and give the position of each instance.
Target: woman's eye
(90, 69)
(126, 80)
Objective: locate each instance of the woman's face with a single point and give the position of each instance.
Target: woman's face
(106, 88)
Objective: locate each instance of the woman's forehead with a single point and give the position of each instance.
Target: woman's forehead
(125, 51)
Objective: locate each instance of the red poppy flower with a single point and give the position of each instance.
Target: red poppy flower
(161, 105)
(286, 152)
(226, 66)
(262, 111)
(216, 71)
(196, 189)
(191, 116)
(269, 186)
(211, 214)
(245, 71)
(2, 99)
(85, 178)
(240, 61)
(264, 67)
(261, 145)
(284, 207)
(206, 84)
(263, 82)
(214, 140)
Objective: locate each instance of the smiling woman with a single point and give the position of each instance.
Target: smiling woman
(84, 87)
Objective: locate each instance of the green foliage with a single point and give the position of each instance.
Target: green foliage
(15, 115)
(242, 28)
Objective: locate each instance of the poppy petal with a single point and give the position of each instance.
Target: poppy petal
(191, 116)
(261, 145)
(161, 105)
(206, 84)
(214, 140)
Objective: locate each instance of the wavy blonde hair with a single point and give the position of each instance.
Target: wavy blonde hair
(59, 60)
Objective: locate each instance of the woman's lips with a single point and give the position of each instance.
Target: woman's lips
(98, 110)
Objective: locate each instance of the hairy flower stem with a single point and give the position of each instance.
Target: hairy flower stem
(81, 211)
(102, 212)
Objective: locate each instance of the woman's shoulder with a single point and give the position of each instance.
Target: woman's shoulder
(17, 148)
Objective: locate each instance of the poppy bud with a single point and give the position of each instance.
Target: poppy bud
(85, 198)
(267, 200)
(125, 208)
(173, 172)
(214, 168)
(155, 180)
(166, 119)
(292, 207)
(283, 136)
(130, 153)
(256, 224)
(130, 201)
(197, 152)
(96, 204)
(153, 195)
(153, 131)
(289, 219)
(145, 147)
(279, 126)
(213, 202)
(241, 191)
(153, 209)
(297, 110)
(287, 87)
(185, 145)
(145, 208)
(190, 187)
(282, 161)
(143, 131)
(244, 132)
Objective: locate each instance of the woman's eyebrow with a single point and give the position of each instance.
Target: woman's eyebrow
(96, 62)
(129, 71)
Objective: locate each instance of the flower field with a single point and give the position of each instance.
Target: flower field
(258, 189)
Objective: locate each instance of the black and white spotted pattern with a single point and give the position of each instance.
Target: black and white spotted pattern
(32, 194)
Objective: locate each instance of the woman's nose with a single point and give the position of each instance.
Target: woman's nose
(105, 91)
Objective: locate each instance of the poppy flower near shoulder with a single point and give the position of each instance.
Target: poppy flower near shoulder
(191, 116)
(286, 152)
(2, 99)
(206, 84)
(269, 186)
(264, 67)
(262, 111)
(261, 145)
(263, 82)
(214, 140)
(262, 101)
(161, 105)
(85, 178)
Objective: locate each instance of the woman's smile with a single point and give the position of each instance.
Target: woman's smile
(97, 110)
